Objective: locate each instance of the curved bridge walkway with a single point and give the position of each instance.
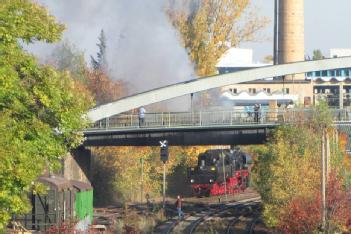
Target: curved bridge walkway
(206, 83)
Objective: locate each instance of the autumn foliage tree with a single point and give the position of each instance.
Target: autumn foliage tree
(303, 214)
(287, 175)
(117, 171)
(103, 88)
(66, 57)
(124, 166)
(209, 27)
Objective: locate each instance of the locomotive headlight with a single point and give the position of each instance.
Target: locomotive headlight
(211, 180)
(192, 181)
(213, 168)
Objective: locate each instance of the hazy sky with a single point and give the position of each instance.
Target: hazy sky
(327, 25)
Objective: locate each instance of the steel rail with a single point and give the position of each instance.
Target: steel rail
(174, 223)
(229, 206)
(250, 228)
(253, 224)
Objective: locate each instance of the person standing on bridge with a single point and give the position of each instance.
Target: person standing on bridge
(179, 204)
(141, 116)
(257, 112)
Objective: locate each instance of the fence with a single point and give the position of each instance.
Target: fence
(211, 118)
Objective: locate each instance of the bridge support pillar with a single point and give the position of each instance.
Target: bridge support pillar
(77, 165)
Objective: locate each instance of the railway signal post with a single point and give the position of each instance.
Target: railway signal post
(164, 158)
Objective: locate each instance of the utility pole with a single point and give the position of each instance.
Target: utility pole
(327, 162)
(142, 180)
(164, 186)
(323, 180)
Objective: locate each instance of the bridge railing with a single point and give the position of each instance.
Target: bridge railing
(212, 118)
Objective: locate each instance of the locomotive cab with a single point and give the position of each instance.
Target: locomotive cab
(216, 169)
(206, 170)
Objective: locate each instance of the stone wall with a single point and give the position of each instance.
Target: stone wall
(77, 165)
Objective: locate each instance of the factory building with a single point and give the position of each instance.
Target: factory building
(284, 91)
(334, 86)
(327, 85)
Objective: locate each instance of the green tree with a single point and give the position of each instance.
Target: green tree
(40, 115)
(66, 57)
(317, 54)
(209, 27)
(100, 62)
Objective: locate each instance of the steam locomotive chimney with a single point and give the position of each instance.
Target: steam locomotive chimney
(291, 45)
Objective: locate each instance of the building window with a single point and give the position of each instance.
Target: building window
(233, 90)
(338, 72)
(324, 73)
(267, 90)
(347, 72)
(252, 90)
(309, 74)
(318, 73)
(286, 90)
(332, 73)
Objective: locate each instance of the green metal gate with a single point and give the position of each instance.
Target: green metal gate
(84, 204)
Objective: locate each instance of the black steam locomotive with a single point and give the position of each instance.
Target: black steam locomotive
(220, 171)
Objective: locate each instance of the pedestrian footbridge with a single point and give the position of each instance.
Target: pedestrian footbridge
(112, 127)
(231, 127)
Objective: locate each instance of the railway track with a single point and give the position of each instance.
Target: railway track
(246, 222)
(223, 220)
(191, 222)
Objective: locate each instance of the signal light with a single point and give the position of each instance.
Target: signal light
(164, 151)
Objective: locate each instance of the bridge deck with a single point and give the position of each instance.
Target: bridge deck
(199, 128)
(198, 119)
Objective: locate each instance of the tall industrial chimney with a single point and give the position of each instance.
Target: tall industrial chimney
(291, 43)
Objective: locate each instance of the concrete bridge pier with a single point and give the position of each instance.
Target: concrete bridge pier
(77, 165)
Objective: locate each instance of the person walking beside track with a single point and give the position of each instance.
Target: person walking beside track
(179, 204)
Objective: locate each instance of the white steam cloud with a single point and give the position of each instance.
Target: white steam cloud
(142, 46)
